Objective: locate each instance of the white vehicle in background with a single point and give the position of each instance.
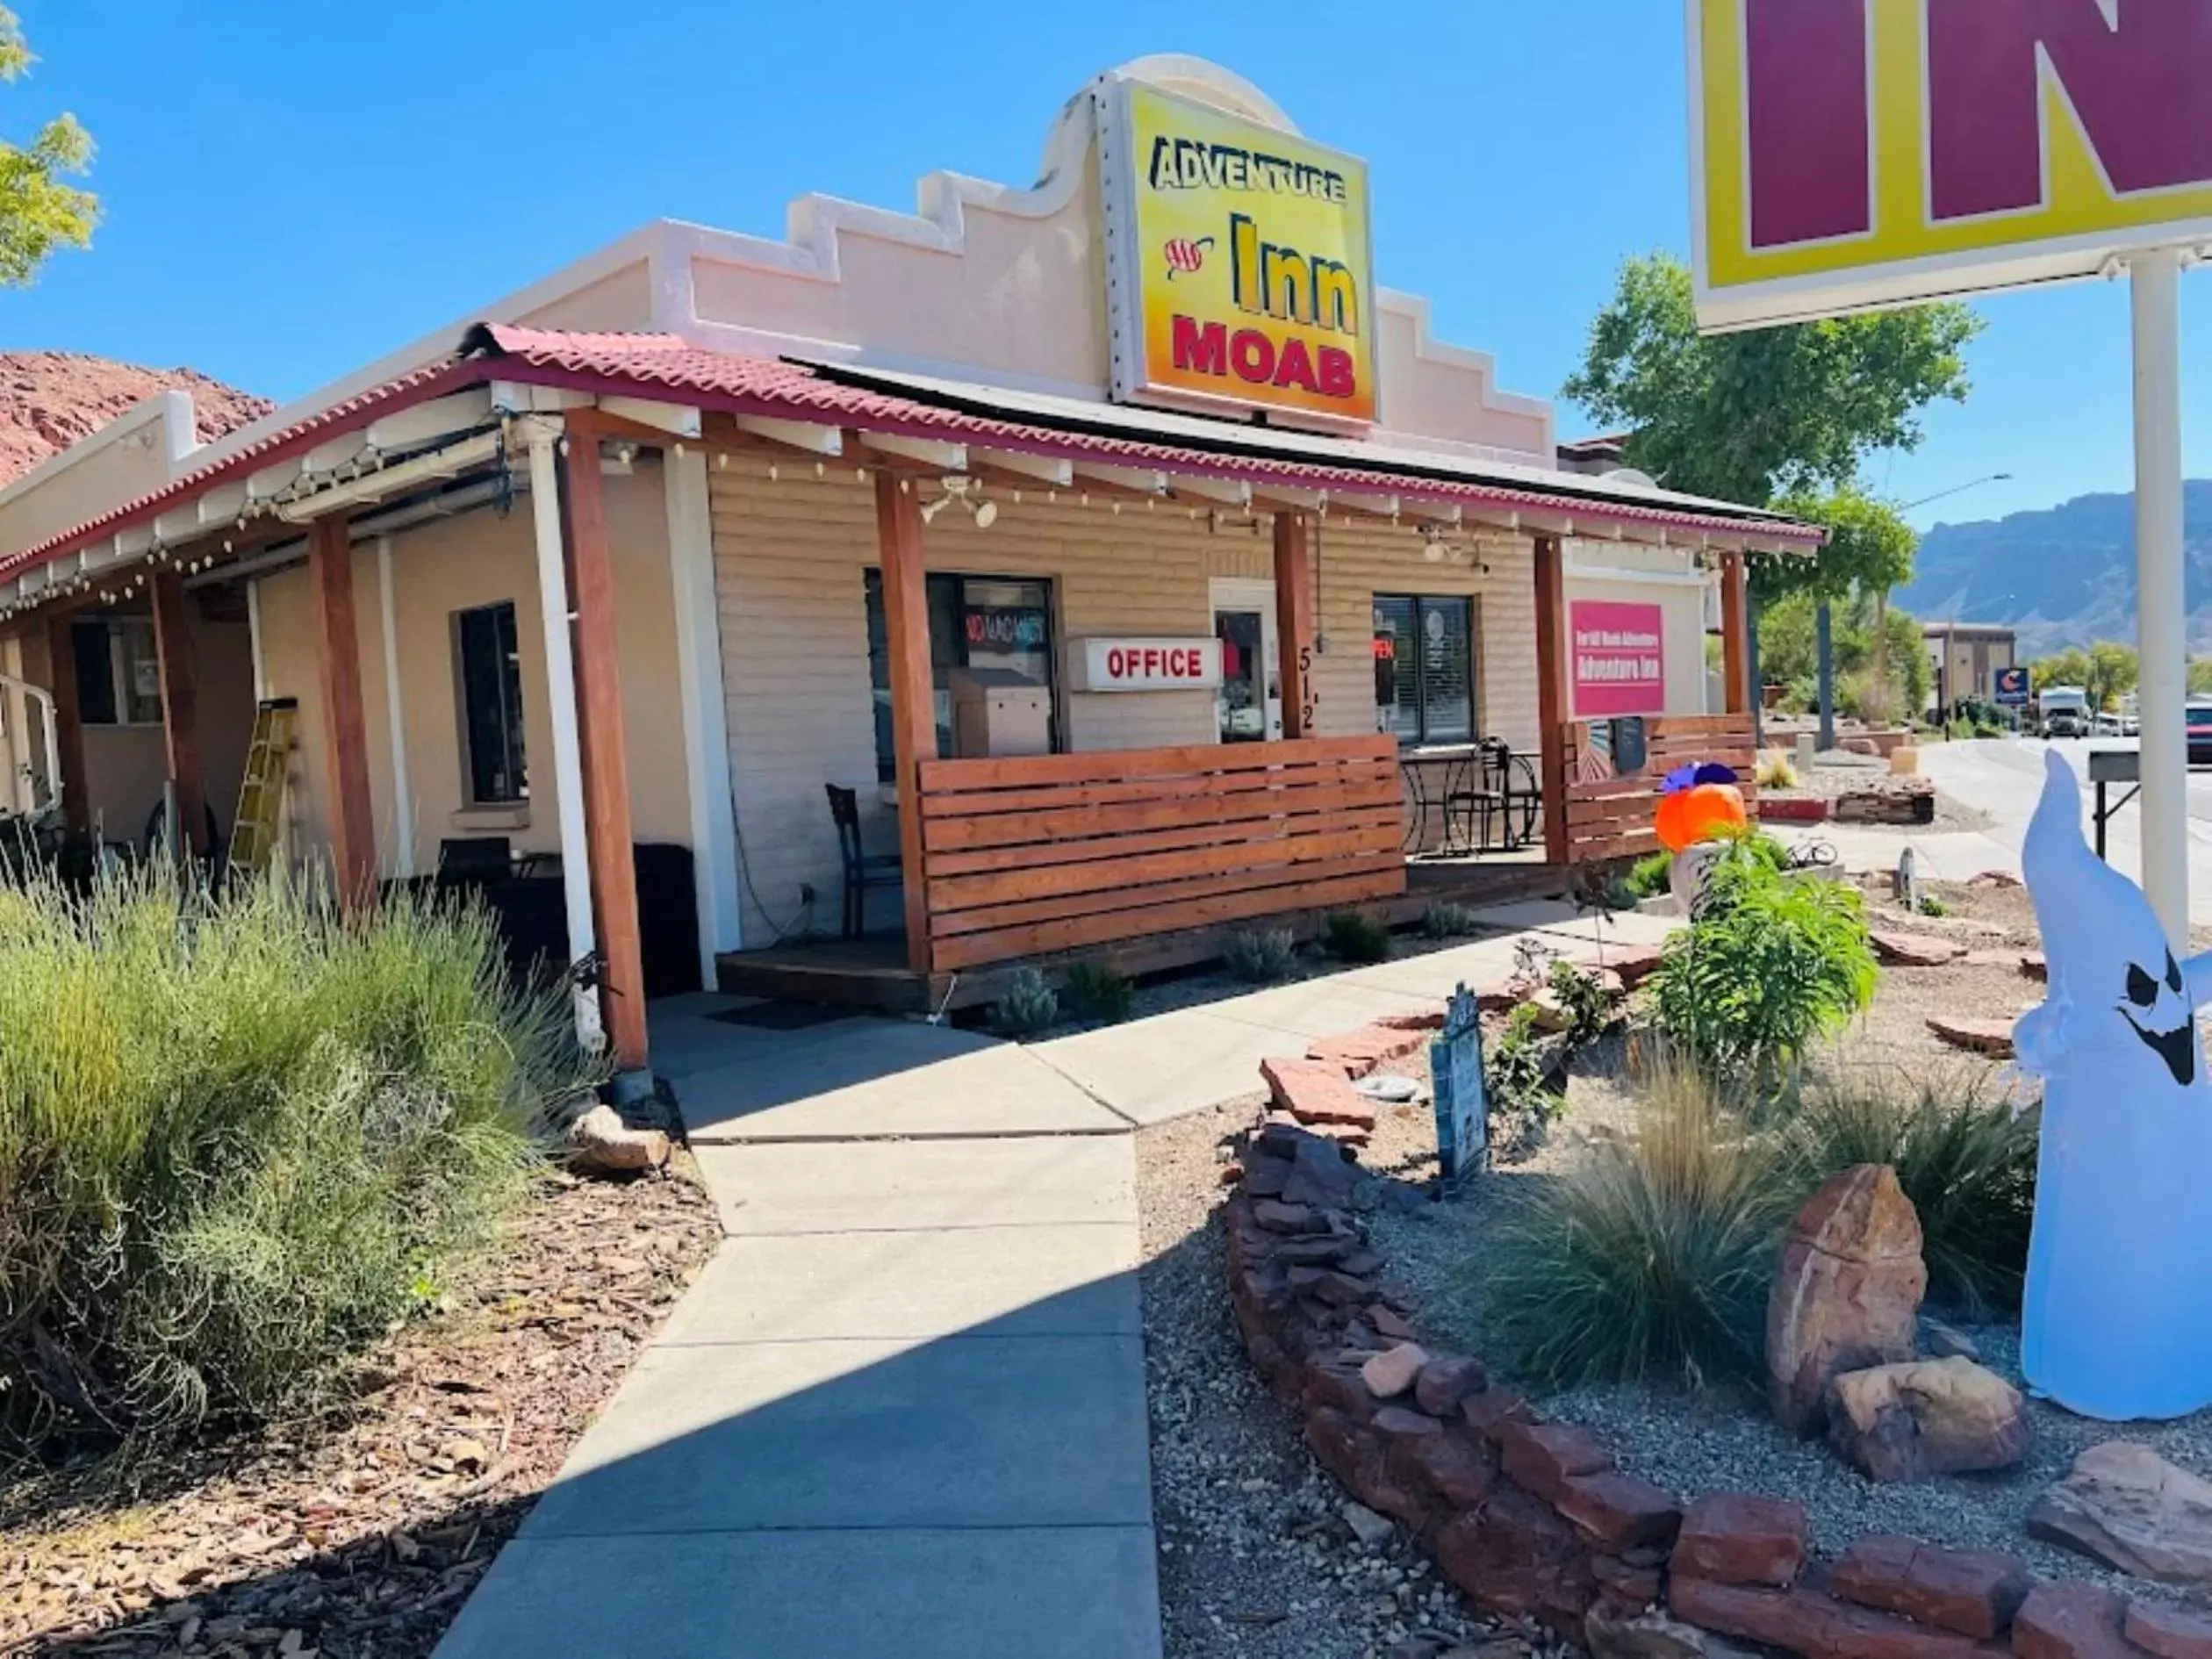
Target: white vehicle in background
(2131, 715)
(2063, 711)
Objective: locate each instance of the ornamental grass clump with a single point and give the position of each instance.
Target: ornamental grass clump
(1965, 1157)
(1773, 960)
(240, 1138)
(1650, 1259)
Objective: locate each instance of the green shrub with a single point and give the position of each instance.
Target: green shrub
(1261, 956)
(1027, 1006)
(1930, 905)
(1353, 935)
(1772, 961)
(1516, 1084)
(1648, 1259)
(1101, 991)
(1589, 1009)
(1450, 922)
(1962, 1156)
(238, 1139)
(1650, 876)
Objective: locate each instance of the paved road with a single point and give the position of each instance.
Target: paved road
(2003, 776)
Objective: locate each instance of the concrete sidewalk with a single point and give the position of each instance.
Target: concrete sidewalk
(902, 1412)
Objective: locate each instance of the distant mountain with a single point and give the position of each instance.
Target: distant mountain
(49, 400)
(2064, 576)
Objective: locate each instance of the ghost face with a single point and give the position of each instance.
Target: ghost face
(2159, 1015)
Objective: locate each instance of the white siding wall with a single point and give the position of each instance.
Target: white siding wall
(790, 555)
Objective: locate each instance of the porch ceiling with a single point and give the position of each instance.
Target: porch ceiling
(1207, 458)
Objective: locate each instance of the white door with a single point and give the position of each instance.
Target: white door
(1249, 706)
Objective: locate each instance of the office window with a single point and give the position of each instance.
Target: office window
(492, 704)
(1425, 668)
(118, 675)
(975, 622)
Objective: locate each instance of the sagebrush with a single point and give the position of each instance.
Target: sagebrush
(239, 1138)
(1027, 1006)
(1101, 991)
(1260, 956)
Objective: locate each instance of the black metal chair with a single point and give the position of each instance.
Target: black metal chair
(863, 869)
(1482, 796)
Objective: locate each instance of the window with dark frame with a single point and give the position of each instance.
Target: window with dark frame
(492, 704)
(119, 673)
(975, 622)
(1424, 667)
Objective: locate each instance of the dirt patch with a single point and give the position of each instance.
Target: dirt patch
(363, 1534)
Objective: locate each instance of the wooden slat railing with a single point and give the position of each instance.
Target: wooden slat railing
(1611, 817)
(1023, 857)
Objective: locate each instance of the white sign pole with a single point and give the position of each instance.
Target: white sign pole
(2155, 282)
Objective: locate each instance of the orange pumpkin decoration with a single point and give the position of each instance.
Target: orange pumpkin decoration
(1700, 813)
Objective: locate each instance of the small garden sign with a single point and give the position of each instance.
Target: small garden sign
(1462, 1108)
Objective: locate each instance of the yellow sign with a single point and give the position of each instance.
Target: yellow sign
(1850, 154)
(1237, 260)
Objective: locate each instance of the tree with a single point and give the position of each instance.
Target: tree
(1787, 654)
(38, 213)
(2069, 667)
(1746, 417)
(2113, 669)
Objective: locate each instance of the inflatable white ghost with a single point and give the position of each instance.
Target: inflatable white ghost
(2117, 1319)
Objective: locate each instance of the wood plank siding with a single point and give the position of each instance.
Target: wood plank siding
(1611, 818)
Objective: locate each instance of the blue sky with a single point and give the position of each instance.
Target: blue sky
(293, 190)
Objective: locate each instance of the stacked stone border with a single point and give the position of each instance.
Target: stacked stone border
(1533, 1521)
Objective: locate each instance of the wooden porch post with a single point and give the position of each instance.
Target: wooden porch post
(1294, 623)
(1552, 659)
(69, 724)
(906, 612)
(353, 826)
(606, 757)
(1735, 634)
(180, 709)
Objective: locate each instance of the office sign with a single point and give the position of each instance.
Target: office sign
(2012, 687)
(1852, 153)
(1149, 664)
(1619, 657)
(1238, 269)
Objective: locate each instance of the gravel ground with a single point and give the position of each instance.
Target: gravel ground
(1256, 1557)
(1723, 1439)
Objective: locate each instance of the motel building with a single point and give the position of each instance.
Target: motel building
(1114, 556)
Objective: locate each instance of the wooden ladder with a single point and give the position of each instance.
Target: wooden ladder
(260, 794)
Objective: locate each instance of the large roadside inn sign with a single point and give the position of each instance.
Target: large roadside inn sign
(1238, 266)
(1857, 152)
(1847, 154)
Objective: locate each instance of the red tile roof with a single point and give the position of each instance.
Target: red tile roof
(669, 368)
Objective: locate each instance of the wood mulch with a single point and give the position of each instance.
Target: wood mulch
(363, 1532)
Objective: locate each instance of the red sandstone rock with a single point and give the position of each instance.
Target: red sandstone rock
(1459, 1471)
(1926, 1417)
(1403, 1423)
(1806, 1622)
(1332, 1384)
(1742, 1538)
(1639, 1587)
(1277, 1217)
(1372, 1046)
(1489, 1411)
(2069, 1619)
(1619, 1512)
(1543, 1456)
(1326, 1284)
(1445, 1382)
(1390, 1323)
(2168, 1632)
(1974, 1593)
(1317, 1091)
(1992, 1037)
(51, 400)
(1847, 1293)
(2033, 966)
(1392, 1373)
(1518, 1558)
(1635, 963)
(1915, 950)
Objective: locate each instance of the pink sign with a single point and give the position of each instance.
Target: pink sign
(1618, 660)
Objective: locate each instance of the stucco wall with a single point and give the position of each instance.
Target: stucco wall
(128, 457)
(481, 558)
(790, 560)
